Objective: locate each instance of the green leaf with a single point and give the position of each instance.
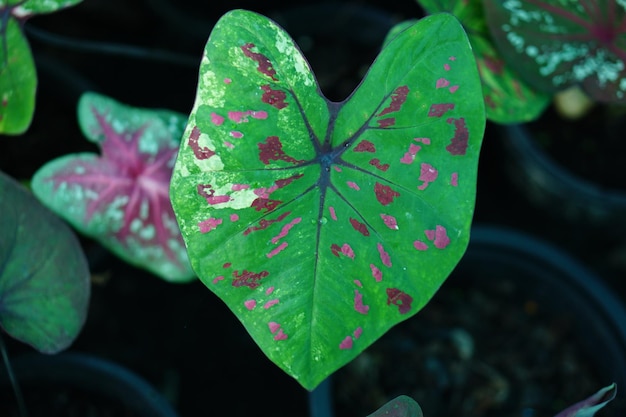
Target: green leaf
(25, 9)
(556, 44)
(508, 99)
(323, 224)
(44, 279)
(121, 198)
(18, 79)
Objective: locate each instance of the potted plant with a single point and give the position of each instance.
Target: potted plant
(282, 194)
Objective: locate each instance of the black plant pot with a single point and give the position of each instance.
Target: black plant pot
(73, 384)
(519, 329)
(556, 189)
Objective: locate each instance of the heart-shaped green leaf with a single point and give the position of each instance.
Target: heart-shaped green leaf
(121, 198)
(323, 224)
(18, 78)
(555, 44)
(508, 99)
(44, 279)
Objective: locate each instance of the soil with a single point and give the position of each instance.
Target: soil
(473, 351)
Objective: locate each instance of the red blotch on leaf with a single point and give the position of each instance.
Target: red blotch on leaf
(438, 110)
(398, 97)
(400, 299)
(272, 150)
(365, 146)
(359, 227)
(458, 144)
(385, 194)
(210, 196)
(275, 98)
(335, 249)
(200, 152)
(390, 121)
(264, 64)
(248, 279)
(376, 163)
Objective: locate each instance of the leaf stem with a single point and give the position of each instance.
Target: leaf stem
(109, 48)
(16, 388)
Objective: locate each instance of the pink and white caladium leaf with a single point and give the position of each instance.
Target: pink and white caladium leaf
(18, 77)
(508, 99)
(44, 278)
(121, 197)
(323, 224)
(555, 44)
(590, 406)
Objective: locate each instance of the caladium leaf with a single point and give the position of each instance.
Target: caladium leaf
(323, 224)
(401, 406)
(18, 78)
(556, 44)
(44, 278)
(508, 99)
(590, 406)
(121, 197)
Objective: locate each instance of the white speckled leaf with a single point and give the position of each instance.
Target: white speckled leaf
(555, 44)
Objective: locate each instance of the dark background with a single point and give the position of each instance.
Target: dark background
(181, 337)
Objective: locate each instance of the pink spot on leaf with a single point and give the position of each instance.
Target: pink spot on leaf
(269, 290)
(384, 256)
(358, 303)
(425, 141)
(229, 145)
(376, 273)
(276, 250)
(227, 81)
(453, 89)
(385, 194)
(357, 332)
(400, 299)
(353, 185)
(446, 67)
(358, 283)
(439, 236)
(409, 156)
(207, 225)
(359, 227)
(390, 221)
(250, 304)
(216, 119)
(226, 265)
(273, 326)
(454, 179)
(271, 303)
(333, 215)
(428, 174)
(280, 335)
(438, 110)
(236, 134)
(336, 168)
(458, 144)
(242, 116)
(346, 343)
(335, 249)
(207, 191)
(442, 82)
(217, 279)
(285, 230)
(347, 250)
(264, 223)
(419, 245)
